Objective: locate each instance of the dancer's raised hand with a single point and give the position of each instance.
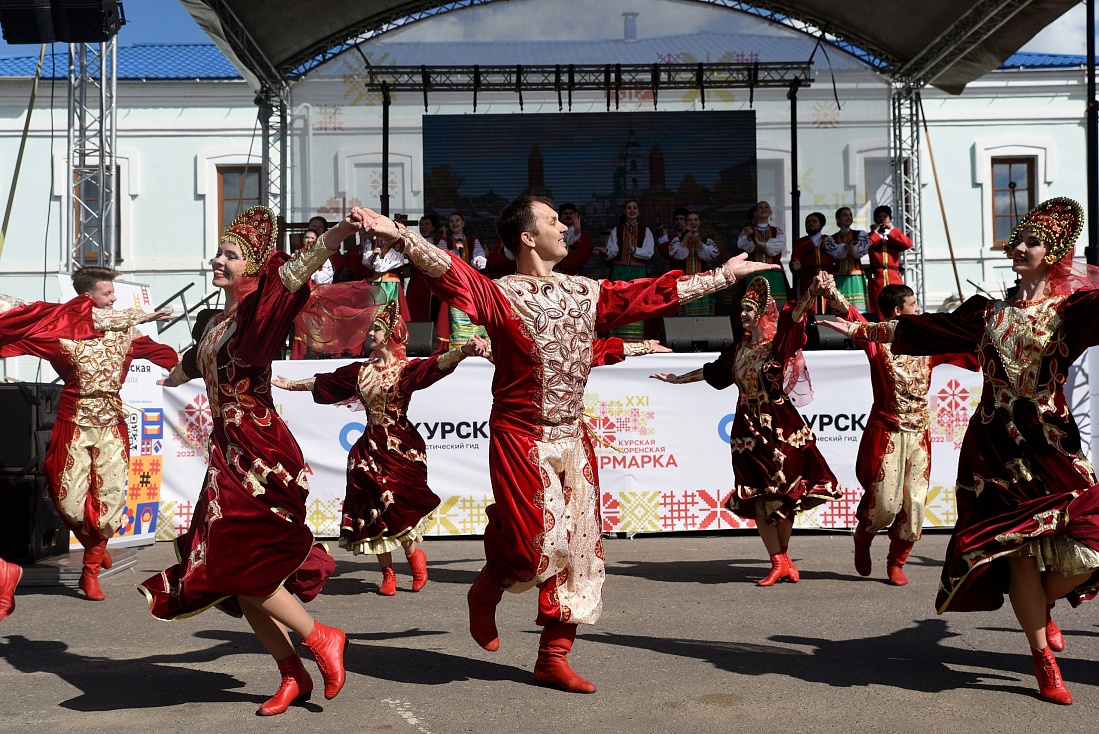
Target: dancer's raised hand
(740, 267)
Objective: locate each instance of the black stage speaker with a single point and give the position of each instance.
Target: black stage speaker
(30, 529)
(28, 410)
(27, 21)
(821, 337)
(70, 21)
(87, 21)
(697, 333)
(421, 338)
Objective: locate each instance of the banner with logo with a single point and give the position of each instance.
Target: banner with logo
(662, 450)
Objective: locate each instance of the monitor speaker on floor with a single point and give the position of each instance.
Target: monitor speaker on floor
(697, 333)
(421, 338)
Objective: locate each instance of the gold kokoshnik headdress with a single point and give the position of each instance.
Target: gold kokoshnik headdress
(1057, 221)
(255, 231)
(757, 294)
(389, 318)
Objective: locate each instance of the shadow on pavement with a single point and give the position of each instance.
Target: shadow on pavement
(911, 659)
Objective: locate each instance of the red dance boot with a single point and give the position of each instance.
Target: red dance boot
(482, 599)
(296, 686)
(552, 668)
(418, 563)
(389, 582)
(1054, 638)
(792, 573)
(1051, 687)
(327, 645)
(89, 540)
(778, 571)
(863, 563)
(89, 575)
(10, 575)
(898, 554)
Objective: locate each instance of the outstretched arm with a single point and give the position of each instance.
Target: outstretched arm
(448, 277)
(694, 376)
(623, 302)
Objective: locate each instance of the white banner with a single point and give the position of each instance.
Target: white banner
(663, 453)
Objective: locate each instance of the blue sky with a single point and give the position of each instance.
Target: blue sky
(165, 21)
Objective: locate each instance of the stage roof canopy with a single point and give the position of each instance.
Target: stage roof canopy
(945, 43)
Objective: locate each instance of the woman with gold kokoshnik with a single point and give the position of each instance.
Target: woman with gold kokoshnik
(1028, 504)
(248, 547)
(388, 503)
(779, 470)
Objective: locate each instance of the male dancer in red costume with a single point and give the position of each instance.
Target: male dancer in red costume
(886, 245)
(88, 458)
(544, 529)
(894, 461)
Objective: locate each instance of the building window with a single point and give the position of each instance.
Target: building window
(238, 189)
(1013, 194)
(879, 183)
(86, 220)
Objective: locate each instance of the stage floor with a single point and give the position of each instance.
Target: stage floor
(687, 643)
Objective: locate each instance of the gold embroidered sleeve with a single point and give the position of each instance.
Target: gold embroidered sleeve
(450, 359)
(693, 287)
(839, 304)
(295, 272)
(176, 376)
(424, 255)
(880, 332)
(9, 302)
(803, 306)
(637, 349)
(107, 319)
(305, 385)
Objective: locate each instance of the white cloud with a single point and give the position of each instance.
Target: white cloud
(1066, 35)
(578, 20)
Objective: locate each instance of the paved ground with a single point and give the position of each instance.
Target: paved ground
(687, 643)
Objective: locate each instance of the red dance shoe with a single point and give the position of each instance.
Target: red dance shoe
(482, 599)
(89, 574)
(10, 575)
(898, 554)
(389, 582)
(792, 573)
(863, 563)
(1051, 687)
(778, 571)
(296, 686)
(1054, 638)
(418, 563)
(327, 645)
(552, 668)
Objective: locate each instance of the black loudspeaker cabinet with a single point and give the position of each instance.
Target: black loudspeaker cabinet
(821, 337)
(27, 21)
(28, 410)
(30, 529)
(421, 338)
(87, 21)
(69, 21)
(698, 333)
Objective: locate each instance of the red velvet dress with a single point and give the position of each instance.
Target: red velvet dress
(248, 533)
(388, 499)
(779, 470)
(1024, 484)
(545, 526)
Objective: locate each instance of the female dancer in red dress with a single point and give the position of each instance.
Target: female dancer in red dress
(388, 503)
(779, 470)
(1028, 504)
(248, 546)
